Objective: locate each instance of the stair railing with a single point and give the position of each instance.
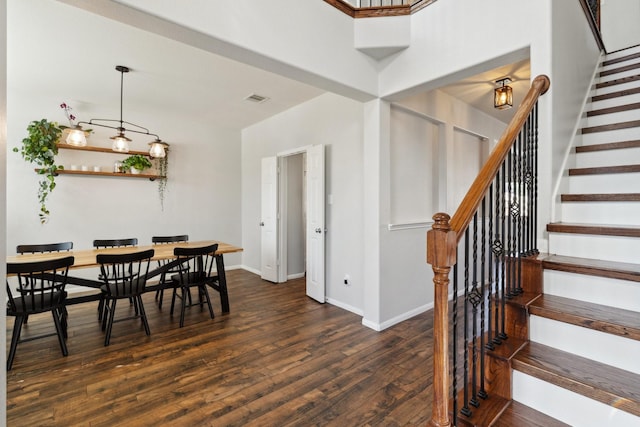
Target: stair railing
(496, 221)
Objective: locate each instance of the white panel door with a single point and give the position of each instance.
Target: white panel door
(269, 219)
(315, 223)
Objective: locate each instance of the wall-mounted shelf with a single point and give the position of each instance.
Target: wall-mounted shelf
(99, 149)
(151, 177)
(94, 149)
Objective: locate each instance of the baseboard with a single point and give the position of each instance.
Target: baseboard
(249, 269)
(344, 306)
(395, 320)
(296, 276)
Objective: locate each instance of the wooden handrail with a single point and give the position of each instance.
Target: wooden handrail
(442, 241)
(472, 199)
(594, 24)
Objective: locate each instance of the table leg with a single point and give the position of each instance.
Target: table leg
(222, 279)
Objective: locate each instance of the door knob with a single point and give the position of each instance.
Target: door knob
(261, 224)
(318, 230)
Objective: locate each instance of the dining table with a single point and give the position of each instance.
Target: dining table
(86, 258)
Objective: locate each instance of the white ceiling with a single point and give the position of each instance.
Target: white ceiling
(478, 90)
(165, 74)
(79, 51)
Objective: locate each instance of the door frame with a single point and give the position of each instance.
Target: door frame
(282, 204)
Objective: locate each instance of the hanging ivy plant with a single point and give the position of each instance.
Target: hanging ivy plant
(163, 169)
(40, 148)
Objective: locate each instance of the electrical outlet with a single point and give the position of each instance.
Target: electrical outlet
(347, 280)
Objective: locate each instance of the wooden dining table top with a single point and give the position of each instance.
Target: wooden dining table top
(87, 257)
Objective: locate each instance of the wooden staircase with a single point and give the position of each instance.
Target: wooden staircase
(581, 365)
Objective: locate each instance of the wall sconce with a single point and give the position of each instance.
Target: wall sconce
(503, 95)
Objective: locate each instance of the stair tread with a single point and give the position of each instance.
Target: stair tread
(616, 109)
(611, 126)
(596, 170)
(602, 197)
(608, 146)
(621, 80)
(621, 59)
(611, 320)
(622, 69)
(490, 408)
(593, 267)
(521, 415)
(615, 94)
(606, 384)
(594, 229)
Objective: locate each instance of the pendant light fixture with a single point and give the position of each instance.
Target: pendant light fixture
(120, 141)
(503, 94)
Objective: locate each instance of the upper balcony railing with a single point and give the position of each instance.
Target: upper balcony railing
(376, 8)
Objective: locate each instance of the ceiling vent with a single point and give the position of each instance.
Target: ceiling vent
(254, 97)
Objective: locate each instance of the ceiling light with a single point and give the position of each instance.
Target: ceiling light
(120, 141)
(503, 95)
(76, 136)
(158, 149)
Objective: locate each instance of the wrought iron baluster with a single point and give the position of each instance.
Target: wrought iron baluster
(502, 255)
(483, 294)
(534, 113)
(489, 344)
(474, 299)
(465, 409)
(518, 211)
(455, 342)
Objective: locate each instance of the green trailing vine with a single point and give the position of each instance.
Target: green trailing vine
(163, 169)
(40, 148)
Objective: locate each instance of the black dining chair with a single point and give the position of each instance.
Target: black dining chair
(113, 243)
(44, 247)
(163, 283)
(39, 287)
(197, 264)
(124, 276)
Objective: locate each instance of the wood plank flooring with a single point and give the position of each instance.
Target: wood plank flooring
(278, 359)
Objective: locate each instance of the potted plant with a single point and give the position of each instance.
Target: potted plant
(136, 163)
(40, 148)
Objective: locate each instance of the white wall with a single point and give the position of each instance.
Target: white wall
(619, 23)
(406, 278)
(313, 42)
(574, 60)
(202, 197)
(3, 201)
(335, 122)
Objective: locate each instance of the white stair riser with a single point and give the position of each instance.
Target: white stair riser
(613, 102)
(608, 184)
(611, 136)
(567, 406)
(611, 118)
(618, 293)
(602, 213)
(622, 156)
(584, 342)
(608, 248)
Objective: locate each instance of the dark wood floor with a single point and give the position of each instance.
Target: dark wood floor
(278, 359)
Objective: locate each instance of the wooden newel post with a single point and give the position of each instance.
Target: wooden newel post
(441, 254)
